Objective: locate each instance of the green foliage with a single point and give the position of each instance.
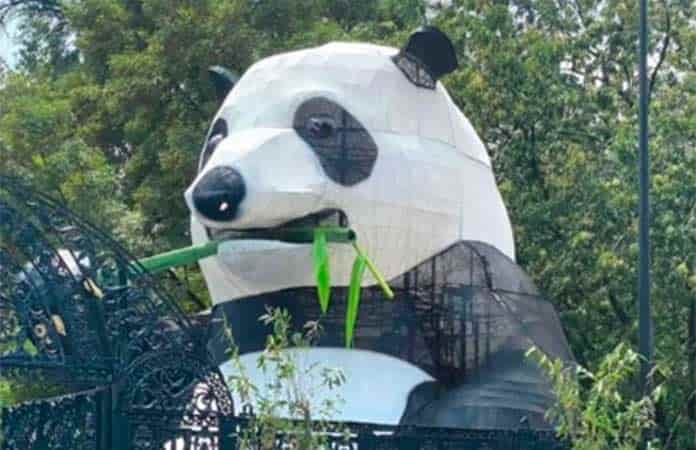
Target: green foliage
(322, 272)
(285, 403)
(16, 388)
(322, 275)
(550, 86)
(356, 277)
(599, 411)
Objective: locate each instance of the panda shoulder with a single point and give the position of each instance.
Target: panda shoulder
(476, 264)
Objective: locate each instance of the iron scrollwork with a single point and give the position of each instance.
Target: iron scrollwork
(65, 423)
(77, 308)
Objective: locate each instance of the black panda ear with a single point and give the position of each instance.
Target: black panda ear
(430, 50)
(223, 79)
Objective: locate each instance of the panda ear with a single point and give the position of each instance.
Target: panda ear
(223, 79)
(431, 49)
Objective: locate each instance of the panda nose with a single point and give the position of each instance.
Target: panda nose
(218, 194)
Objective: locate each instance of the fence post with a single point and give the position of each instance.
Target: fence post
(227, 437)
(104, 422)
(120, 427)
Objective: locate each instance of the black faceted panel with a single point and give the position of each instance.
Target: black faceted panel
(414, 70)
(466, 316)
(345, 148)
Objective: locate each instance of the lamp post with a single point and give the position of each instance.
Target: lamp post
(645, 341)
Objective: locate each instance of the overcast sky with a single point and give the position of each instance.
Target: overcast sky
(7, 45)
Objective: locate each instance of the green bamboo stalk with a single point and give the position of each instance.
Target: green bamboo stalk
(191, 254)
(318, 236)
(179, 257)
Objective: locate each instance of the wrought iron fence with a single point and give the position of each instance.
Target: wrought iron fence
(85, 421)
(78, 310)
(367, 436)
(67, 422)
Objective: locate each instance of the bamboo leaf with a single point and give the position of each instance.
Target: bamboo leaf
(30, 348)
(375, 273)
(321, 269)
(354, 298)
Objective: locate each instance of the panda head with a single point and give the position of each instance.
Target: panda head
(344, 134)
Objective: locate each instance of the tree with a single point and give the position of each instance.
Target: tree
(601, 410)
(550, 85)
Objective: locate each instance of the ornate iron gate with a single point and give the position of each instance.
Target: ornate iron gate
(77, 310)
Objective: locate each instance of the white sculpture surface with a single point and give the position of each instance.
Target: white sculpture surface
(431, 184)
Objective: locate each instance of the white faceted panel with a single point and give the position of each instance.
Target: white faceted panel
(369, 376)
(430, 186)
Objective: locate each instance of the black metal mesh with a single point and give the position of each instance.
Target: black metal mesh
(465, 316)
(346, 150)
(414, 70)
(81, 421)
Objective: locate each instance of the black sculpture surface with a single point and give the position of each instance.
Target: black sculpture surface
(467, 317)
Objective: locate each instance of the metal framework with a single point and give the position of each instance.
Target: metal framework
(76, 310)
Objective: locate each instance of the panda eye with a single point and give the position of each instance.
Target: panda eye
(320, 127)
(217, 134)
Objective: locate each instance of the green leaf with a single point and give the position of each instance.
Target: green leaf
(354, 297)
(321, 269)
(30, 348)
(375, 273)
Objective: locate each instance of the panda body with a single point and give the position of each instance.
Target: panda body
(342, 134)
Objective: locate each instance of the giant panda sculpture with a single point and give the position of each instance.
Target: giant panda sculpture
(366, 136)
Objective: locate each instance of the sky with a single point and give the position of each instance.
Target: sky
(8, 47)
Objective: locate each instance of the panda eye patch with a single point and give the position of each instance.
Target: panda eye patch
(345, 148)
(320, 127)
(217, 133)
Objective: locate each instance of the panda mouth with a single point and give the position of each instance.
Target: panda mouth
(325, 218)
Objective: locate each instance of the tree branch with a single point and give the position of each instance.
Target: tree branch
(663, 51)
(580, 13)
(618, 310)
